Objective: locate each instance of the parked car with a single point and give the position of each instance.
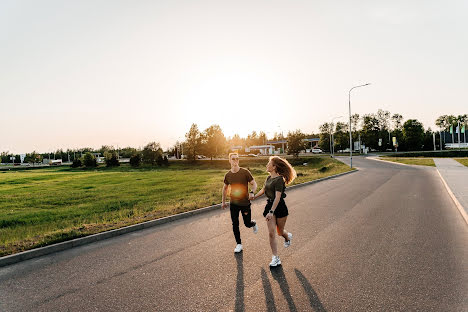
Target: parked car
(317, 150)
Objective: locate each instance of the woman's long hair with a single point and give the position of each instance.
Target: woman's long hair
(284, 169)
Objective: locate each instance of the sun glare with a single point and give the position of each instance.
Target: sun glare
(239, 102)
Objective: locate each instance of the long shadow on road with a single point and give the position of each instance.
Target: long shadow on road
(240, 283)
(314, 300)
(279, 276)
(269, 297)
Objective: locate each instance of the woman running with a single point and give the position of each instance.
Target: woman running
(276, 213)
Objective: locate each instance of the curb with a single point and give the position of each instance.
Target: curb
(322, 179)
(42, 251)
(455, 200)
(391, 162)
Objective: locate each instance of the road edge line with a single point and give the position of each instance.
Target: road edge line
(42, 251)
(455, 200)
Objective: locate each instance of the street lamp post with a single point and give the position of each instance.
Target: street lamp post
(350, 134)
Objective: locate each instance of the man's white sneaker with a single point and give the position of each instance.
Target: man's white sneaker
(288, 242)
(275, 261)
(238, 248)
(255, 227)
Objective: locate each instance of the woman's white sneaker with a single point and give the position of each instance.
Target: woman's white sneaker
(288, 242)
(275, 261)
(238, 248)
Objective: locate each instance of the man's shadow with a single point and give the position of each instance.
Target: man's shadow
(240, 283)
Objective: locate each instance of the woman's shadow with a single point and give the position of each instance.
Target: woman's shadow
(278, 275)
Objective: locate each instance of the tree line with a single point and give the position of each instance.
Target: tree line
(376, 131)
(212, 142)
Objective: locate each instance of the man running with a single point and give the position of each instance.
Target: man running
(239, 179)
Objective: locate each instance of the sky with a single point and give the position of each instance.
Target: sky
(124, 73)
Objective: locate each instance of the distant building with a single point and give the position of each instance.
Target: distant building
(262, 149)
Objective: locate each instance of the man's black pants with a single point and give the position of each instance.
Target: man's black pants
(246, 216)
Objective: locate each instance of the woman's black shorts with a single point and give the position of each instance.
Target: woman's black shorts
(281, 210)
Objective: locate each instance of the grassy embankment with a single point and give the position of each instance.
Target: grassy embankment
(463, 161)
(411, 161)
(45, 206)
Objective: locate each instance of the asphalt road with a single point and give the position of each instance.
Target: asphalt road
(386, 238)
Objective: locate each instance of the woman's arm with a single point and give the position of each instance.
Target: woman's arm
(260, 193)
(276, 201)
(275, 204)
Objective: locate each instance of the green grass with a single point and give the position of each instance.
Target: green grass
(463, 161)
(411, 161)
(44, 206)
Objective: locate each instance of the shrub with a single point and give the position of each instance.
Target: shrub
(112, 160)
(159, 160)
(135, 160)
(151, 153)
(76, 163)
(89, 160)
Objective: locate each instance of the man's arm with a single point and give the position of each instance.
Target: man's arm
(223, 203)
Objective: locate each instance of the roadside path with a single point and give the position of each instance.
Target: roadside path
(456, 177)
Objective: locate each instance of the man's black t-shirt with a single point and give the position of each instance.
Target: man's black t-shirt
(239, 186)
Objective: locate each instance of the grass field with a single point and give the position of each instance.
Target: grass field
(43, 206)
(463, 161)
(411, 161)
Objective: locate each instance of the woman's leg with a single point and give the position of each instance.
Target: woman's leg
(272, 235)
(281, 222)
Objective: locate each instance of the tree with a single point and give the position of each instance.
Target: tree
(355, 122)
(413, 134)
(252, 139)
(5, 157)
(296, 142)
(33, 158)
(112, 159)
(370, 131)
(262, 138)
(160, 160)
(396, 119)
(236, 140)
(89, 160)
(76, 163)
(105, 148)
(151, 152)
(428, 140)
(325, 132)
(193, 142)
(213, 141)
(135, 160)
(127, 152)
(341, 136)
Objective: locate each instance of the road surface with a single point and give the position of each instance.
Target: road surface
(386, 238)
